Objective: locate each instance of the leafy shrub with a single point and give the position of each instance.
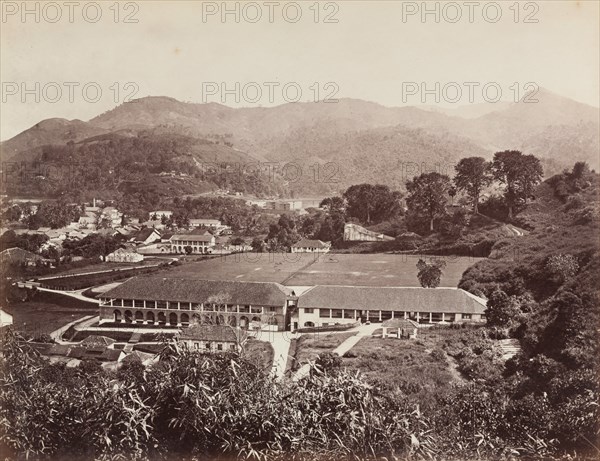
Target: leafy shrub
(585, 216)
(574, 203)
(438, 355)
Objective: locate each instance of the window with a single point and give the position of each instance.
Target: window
(207, 345)
(219, 347)
(336, 313)
(196, 345)
(138, 303)
(232, 347)
(161, 304)
(272, 309)
(324, 313)
(349, 314)
(128, 303)
(308, 310)
(256, 309)
(151, 304)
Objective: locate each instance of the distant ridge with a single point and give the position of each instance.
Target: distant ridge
(365, 141)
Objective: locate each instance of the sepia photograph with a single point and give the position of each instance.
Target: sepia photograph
(312, 230)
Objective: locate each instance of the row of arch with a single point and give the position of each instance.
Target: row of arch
(182, 318)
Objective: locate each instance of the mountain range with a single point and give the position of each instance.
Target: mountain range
(342, 143)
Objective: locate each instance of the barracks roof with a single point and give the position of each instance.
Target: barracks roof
(194, 290)
(193, 237)
(210, 333)
(406, 299)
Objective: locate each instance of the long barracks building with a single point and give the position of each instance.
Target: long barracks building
(177, 302)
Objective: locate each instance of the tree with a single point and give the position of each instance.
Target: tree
(580, 170)
(52, 253)
(501, 309)
(331, 228)
(562, 266)
(237, 241)
(472, 175)
(53, 214)
(13, 214)
(452, 193)
(283, 234)
(258, 244)
(91, 246)
(333, 204)
(188, 250)
(427, 195)
(430, 275)
(371, 203)
(329, 363)
(520, 173)
(103, 222)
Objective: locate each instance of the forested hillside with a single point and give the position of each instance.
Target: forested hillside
(336, 144)
(151, 163)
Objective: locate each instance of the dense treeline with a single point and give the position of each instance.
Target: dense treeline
(542, 288)
(53, 214)
(127, 167)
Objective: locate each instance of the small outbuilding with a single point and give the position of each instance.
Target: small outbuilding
(404, 328)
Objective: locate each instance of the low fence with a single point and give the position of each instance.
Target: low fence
(76, 282)
(64, 300)
(340, 327)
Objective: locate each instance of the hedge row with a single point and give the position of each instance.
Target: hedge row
(342, 327)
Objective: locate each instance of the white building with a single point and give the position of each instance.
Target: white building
(356, 233)
(329, 305)
(200, 244)
(167, 214)
(210, 223)
(6, 319)
(311, 246)
(124, 256)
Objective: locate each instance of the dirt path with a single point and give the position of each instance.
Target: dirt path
(56, 335)
(73, 294)
(293, 274)
(361, 332)
(517, 232)
(453, 369)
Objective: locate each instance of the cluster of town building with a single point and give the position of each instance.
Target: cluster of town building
(201, 236)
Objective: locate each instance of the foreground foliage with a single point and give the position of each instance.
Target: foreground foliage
(191, 405)
(195, 405)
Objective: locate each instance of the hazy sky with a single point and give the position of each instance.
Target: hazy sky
(373, 51)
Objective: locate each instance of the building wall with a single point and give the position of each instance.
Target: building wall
(178, 246)
(351, 233)
(310, 250)
(323, 317)
(211, 346)
(181, 314)
(125, 257)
